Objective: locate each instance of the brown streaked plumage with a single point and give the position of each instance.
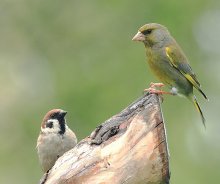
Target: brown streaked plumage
(55, 138)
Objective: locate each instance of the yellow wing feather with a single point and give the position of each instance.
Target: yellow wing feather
(183, 68)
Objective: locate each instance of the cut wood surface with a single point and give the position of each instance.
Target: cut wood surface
(130, 147)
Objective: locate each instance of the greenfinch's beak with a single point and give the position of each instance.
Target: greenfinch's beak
(139, 37)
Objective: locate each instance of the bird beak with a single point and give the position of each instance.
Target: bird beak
(139, 37)
(63, 114)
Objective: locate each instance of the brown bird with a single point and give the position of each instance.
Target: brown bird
(55, 138)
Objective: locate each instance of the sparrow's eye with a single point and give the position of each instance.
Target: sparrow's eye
(54, 115)
(146, 32)
(49, 124)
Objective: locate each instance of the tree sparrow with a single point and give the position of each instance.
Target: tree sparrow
(55, 138)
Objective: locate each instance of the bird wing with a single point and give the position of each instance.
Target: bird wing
(178, 60)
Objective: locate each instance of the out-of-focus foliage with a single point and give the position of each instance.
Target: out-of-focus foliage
(78, 55)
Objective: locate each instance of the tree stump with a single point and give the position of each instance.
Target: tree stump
(130, 148)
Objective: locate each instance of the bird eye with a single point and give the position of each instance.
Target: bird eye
(49, 124)
(54, 115)
(146, 32)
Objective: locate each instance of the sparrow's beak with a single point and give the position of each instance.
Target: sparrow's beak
(62, 114)
(139, 37)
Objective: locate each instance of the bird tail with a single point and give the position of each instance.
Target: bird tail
(196, 104)
(203, 94)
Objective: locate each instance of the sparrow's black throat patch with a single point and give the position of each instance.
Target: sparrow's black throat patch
(62, 126)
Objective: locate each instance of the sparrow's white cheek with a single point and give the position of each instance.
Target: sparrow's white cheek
(54, 129)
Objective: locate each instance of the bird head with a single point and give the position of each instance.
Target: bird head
(151, 34)
(54, 121)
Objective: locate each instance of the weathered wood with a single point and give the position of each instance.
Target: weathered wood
(129, 148)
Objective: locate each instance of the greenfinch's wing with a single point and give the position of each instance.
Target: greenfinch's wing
(178, 60)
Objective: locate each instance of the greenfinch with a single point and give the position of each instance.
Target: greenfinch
(168, 62)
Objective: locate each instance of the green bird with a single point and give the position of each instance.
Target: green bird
(168, 62)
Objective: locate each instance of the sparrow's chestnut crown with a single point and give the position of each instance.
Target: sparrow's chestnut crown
(57, 114)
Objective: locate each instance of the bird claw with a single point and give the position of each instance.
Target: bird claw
(152, 85)
(153, 90)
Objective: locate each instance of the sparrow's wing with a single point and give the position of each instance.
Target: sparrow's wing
(178, 60)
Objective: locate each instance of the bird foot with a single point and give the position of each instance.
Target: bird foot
(152, 85)
(155, 91)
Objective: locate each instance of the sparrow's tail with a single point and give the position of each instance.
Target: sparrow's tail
(196, 104)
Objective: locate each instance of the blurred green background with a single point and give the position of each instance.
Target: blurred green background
(78, 56)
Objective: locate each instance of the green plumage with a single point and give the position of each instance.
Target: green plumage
(168, 62)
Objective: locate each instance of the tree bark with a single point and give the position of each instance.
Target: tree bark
(129, 148)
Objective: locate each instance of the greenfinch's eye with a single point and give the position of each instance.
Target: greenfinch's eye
(146, 32)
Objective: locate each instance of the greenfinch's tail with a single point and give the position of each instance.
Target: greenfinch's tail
(203, 94)
(196, 104)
